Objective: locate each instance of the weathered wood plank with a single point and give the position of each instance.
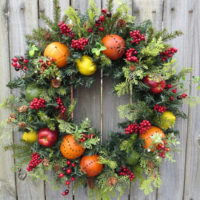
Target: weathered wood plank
(88, 100)
(175, 17)
(144, 10)
(23, 17)
(149, 9)
(192, 169)
(46, 7)
(7, 177)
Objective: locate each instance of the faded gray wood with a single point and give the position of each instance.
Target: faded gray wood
(192, 159)
(175, 17)
(19, 13)
(146, 10)
(7, 177)
(46, 7)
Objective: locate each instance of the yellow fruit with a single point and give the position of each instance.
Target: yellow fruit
(86, 66)
(167, 120)
(30, 136)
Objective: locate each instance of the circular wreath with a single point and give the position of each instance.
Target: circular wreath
(65, 56)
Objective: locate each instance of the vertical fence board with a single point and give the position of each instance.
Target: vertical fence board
(46, 7)
(88, 99)
(7, 177)
(192, 170)
(23, 17)
(172, 174)
(144, 10)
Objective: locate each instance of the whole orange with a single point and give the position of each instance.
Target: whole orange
(115, 46)
(147, 137)
(70, 149)
(90, 165)
(59, 52)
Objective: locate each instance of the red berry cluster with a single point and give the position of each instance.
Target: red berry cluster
(124, 171)
(137, 37)
(160, 108)
(130, 55)
(37, 103)
(168, 53)
(20, 63)
(79, 44)
(35, 160)
(144, 125)
(65, 30)
(132, 128)
(60, 105)
(85, 137)
(67, 171)
(162, 149)
(45, 64)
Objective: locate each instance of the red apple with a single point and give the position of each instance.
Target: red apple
(156, 83)
(47, 137)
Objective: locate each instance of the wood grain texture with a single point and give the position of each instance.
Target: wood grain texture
(88, 99)
(175, 18)
(22, 19)
(192, 159)
(46, 7)
(7, 177)
(144, 10)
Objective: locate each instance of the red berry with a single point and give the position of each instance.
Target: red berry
(171, 98)
(101, 29)
(102, 18)
(14, 64)
(68, 162)
(73, 165)
(25, 68)
(64, 193)
(41, 60)
(25, 60)
(61, 175)
(174, 91)
(14, 59)
(104, 10)
(19, 66)
(184, 95)
(69, 171)
(169, 86)
(73, 178)
(89, 30)
(67, 182)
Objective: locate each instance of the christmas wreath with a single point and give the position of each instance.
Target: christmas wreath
(63, 57)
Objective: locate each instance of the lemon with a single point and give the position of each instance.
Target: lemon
(167, 120)
(30, 136)
(86, 66)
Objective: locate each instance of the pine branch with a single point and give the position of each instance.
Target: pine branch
(56, 11)
(110, 5)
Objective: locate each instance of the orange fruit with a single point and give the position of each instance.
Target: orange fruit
(59, 52)
(90, 165)
(70, 149)
(147, 137)
(115, 46)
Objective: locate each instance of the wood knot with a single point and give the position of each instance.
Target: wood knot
(190, 11)
(172, 9)
(154, 11)
(22, 174)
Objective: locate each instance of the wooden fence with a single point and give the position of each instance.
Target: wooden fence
(180, 180)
